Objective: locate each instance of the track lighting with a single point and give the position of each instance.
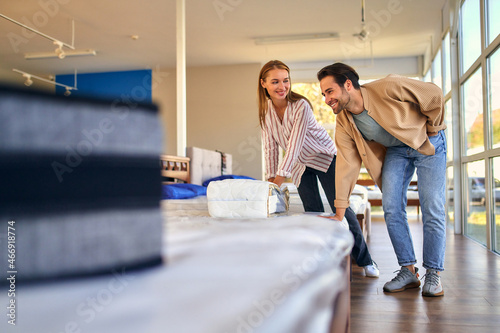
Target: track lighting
(296, 38)
(59, 51)
(29, 81)
(69, 53)
(362, 35)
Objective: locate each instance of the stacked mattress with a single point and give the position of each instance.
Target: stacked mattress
(81, 185)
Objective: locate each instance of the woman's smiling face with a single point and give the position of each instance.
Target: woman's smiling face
(277, 83)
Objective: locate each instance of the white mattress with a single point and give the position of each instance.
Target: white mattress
(227, 274)
(245, 198)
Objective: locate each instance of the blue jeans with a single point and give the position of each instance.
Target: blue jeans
(311, 199)
(399, 166)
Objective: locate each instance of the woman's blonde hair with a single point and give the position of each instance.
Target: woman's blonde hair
(263, 95)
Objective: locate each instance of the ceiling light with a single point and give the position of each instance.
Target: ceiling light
(296, 38)
(59, 51)
(48, 55)
(29, 81)
(362, 35)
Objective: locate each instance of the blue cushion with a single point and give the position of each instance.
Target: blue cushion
(206, 182)
(182, 191)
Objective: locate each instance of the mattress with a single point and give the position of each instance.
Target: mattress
(82, 186)
(246, 198)
(282, 274)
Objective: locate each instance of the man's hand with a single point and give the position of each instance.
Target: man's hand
(331, 217)
(338, 216)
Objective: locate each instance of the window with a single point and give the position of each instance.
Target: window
(436, 70)
(322, 112)
(479, 77)
(494, 97)
(496, 210)
(471, 33)
(476, 201)
(472, 110)
(493, 22)
(427, 77)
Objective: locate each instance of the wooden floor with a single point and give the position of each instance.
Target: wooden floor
(471, 282)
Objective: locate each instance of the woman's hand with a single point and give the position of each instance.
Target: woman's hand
(278, 180)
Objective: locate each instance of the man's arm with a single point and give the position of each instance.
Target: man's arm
(348, 162)
(347, 165)
(430, 99)
(339, 215)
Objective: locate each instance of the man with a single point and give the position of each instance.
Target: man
(393, 126)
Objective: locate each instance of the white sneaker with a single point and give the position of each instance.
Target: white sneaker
(371, 270)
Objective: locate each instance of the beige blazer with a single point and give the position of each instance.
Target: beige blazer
(406, 108)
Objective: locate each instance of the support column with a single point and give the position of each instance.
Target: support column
(181, 78)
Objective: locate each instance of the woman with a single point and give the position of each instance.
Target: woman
(287, 121)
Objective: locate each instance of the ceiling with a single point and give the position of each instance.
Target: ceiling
(218, 32)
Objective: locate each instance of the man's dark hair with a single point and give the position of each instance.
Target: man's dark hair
(340, 72)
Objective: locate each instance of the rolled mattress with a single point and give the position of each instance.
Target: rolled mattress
(246, 198)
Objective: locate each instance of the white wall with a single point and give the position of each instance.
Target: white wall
(221, 112)
(163, 95)
(366, 68)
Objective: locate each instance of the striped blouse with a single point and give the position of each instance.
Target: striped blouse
(305, 142)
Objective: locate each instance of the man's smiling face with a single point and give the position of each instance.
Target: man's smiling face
(336, 97)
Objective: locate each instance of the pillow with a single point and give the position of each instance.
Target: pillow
(182, 191)
(206, 182)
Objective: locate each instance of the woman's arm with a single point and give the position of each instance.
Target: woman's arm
(271, 151)
(297, 137)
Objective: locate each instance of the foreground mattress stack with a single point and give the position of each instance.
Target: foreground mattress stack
(81, 185)
(284, 274)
